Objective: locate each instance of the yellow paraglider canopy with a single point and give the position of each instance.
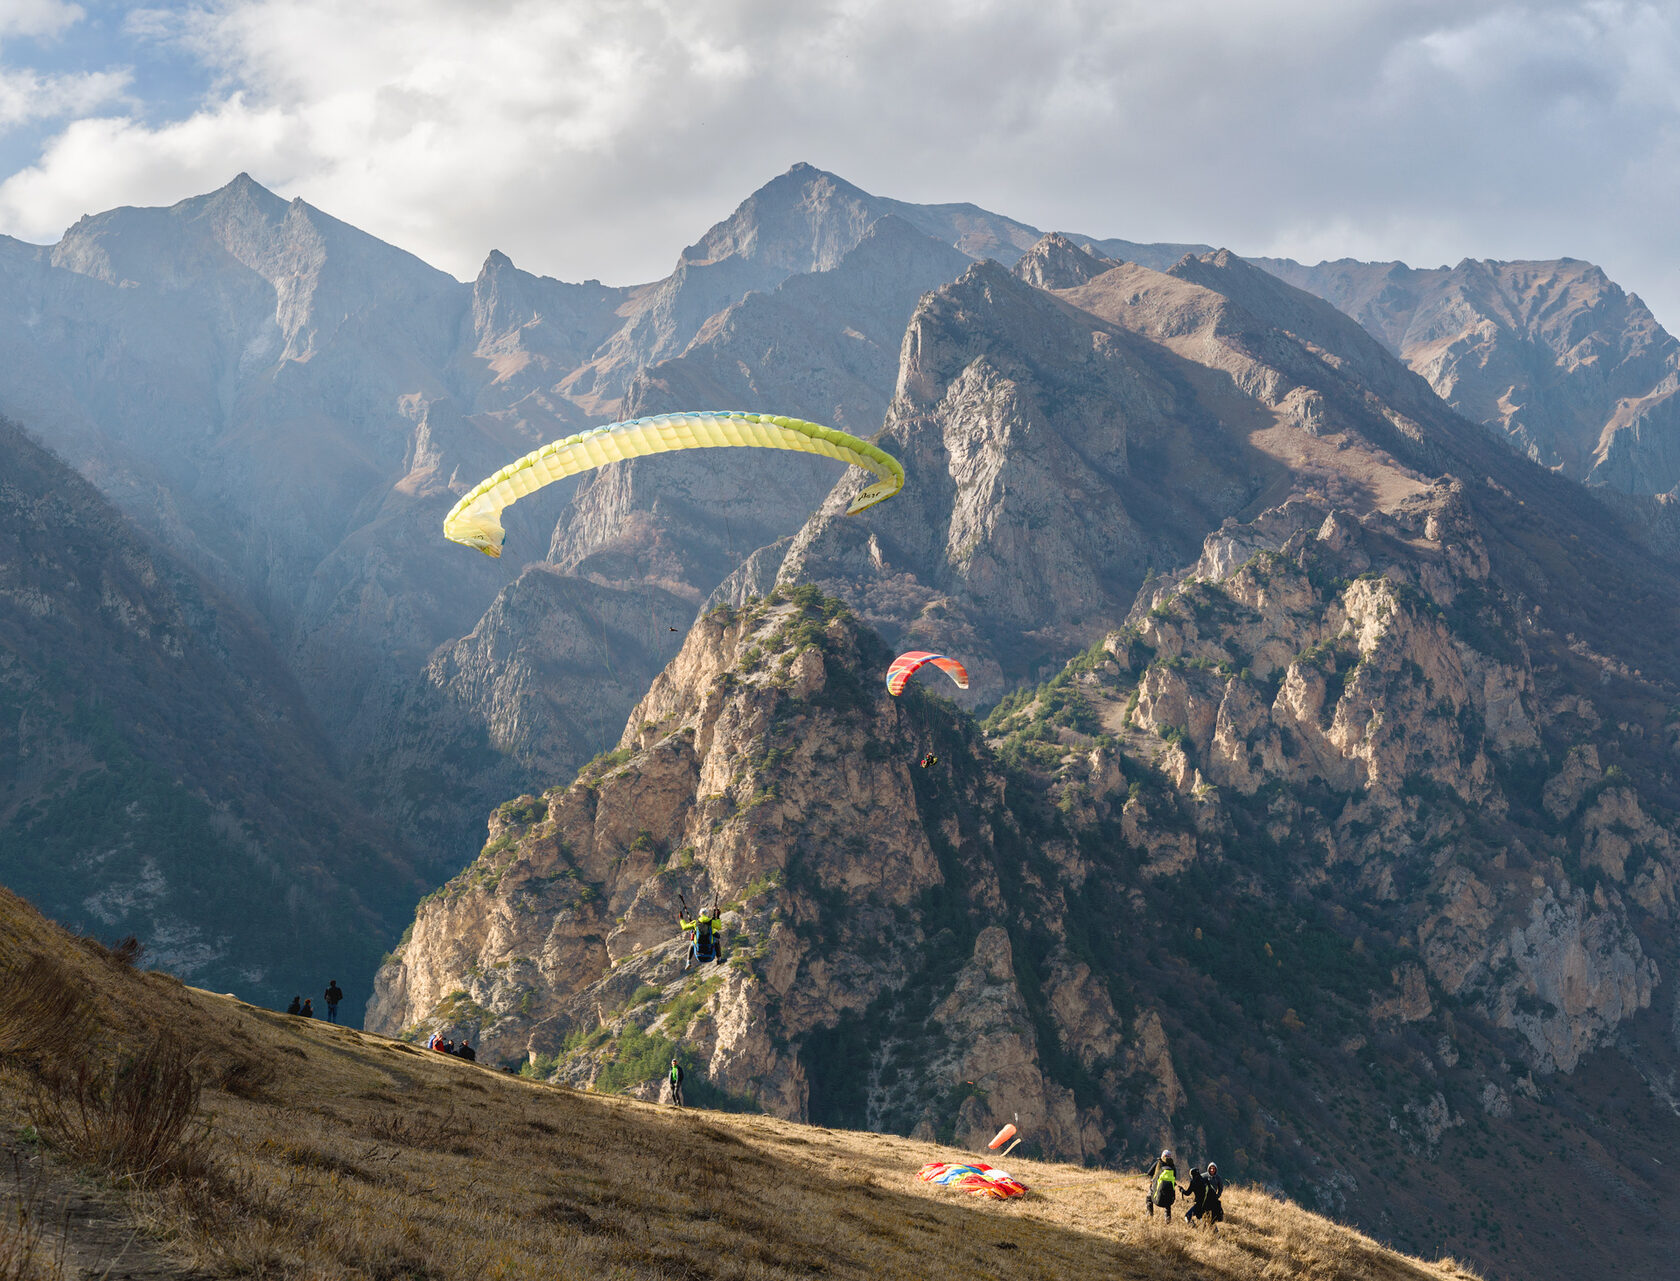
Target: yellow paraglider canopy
(476, 520)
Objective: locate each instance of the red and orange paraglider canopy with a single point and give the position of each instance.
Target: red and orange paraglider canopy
(906, 665)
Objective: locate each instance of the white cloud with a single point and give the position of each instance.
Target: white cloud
(27, 96)
(595, 139)
(37, 17)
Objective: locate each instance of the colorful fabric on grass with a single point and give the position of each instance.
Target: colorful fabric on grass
(978, 1178)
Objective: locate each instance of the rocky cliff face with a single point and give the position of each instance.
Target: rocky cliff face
(1552, 356)
(766, 770)
(521, 699)
(1372, 666)
(1065, 438)
(1336, 915)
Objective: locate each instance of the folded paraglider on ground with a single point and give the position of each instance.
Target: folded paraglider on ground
(978, 1178)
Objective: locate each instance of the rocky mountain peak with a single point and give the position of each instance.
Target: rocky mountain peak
(803, 220)
(767, 771)
(1057, 263)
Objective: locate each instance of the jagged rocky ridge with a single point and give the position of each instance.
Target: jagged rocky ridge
(292, 405)
(1330, 914)
(1553, 356)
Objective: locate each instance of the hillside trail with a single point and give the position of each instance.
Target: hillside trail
(80, 1232)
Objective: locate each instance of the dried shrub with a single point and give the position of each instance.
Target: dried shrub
(127, 952)
(247, 1077)
(45, 1018)
(419, 1129)
(137, 1118)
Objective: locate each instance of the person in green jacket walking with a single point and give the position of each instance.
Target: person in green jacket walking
(1163, 1183)
(676, 1083)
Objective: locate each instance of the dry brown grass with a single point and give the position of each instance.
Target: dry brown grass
(136, 1117)
(26, 1252)
(45, 1018)
(355, 1156)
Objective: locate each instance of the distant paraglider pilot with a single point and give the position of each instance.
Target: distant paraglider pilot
(703, 937)
(929, 761)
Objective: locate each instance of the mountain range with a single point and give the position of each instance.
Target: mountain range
(1325, 809)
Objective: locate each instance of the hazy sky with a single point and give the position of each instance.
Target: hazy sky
(596, 138)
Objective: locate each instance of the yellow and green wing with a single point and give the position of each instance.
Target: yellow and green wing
(476, 520)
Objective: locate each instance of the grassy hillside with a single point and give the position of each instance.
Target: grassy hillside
(321, 1151)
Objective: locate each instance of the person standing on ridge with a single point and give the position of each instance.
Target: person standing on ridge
(1163, 1184)
(676, 1083)
(333, 995)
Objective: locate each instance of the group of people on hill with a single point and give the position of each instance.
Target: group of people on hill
(1204, 1188)
(443, 1045)
(332, 996)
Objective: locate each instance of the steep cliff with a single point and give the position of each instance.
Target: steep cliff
(767, 771)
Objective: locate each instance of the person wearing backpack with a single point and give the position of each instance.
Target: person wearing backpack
(703, 944)
(1212, 1206)
(1163, 1184)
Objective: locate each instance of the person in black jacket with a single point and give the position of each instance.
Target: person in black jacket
(1205, 1190)
(333, 995)
(296, 1007)
(308, 1010)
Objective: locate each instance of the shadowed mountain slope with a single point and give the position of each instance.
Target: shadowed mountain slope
(160, 774)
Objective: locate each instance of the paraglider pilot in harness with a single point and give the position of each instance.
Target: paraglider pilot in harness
(705, 936)
(1163, 1183)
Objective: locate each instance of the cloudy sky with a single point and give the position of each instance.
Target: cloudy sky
(595, 138)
